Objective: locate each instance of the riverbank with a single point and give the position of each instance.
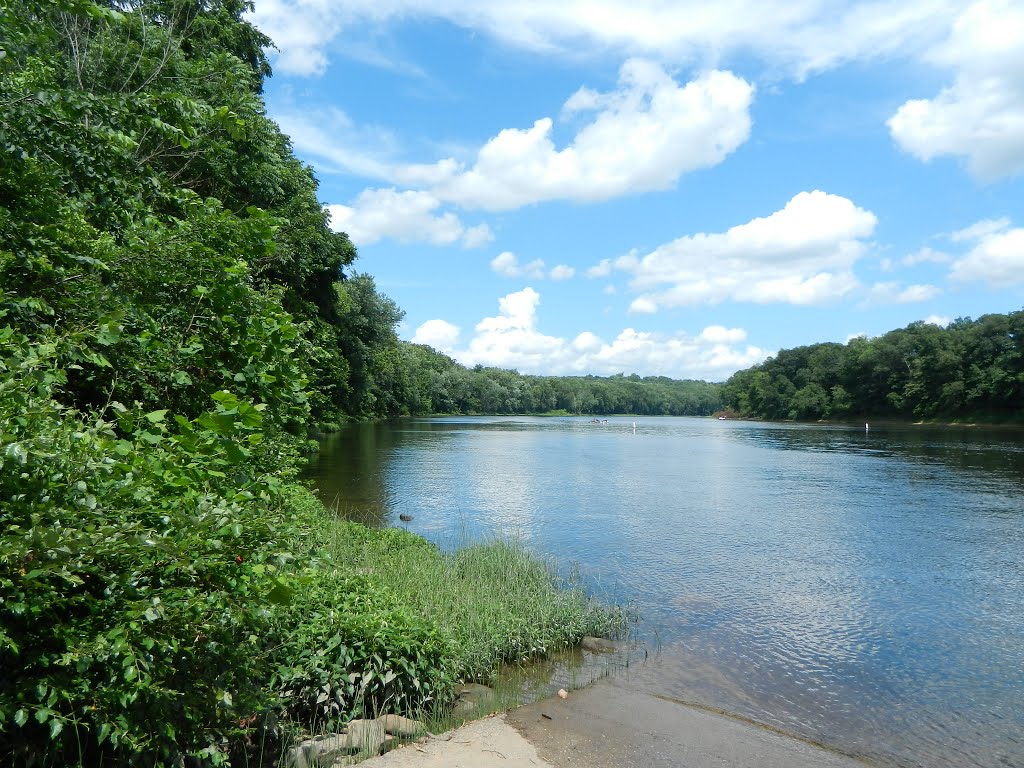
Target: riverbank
(613, 725)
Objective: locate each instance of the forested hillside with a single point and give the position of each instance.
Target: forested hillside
(434, 383)
(972, 369)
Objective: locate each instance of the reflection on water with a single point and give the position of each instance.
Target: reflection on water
(861, 589)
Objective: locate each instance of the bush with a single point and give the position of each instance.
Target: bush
(353, 650)
(139, 563)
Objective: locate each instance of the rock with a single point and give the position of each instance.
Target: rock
(598, 645)
(473, 691)
(563, 694)
(366, 736)
(471, 697)
(401, 726)
(319, 751)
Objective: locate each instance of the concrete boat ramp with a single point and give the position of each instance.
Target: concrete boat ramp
(610, 725)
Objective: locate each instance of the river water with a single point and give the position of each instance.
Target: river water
(862, 589)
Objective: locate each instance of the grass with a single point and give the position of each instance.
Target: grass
(495, 601)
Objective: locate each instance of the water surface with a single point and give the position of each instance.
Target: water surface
(863, 589)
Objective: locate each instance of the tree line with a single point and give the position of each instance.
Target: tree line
(425, 381)
(970, 369)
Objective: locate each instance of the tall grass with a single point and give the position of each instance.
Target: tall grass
(495, 601)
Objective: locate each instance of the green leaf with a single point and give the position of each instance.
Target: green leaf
(281, 594)
(155, 417)
(109, 333)
(21, 717)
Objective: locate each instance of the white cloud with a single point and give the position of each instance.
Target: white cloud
(301, 30)
(601, 269)
(980, 229)
(896, 293)
(719, 334)
(341, 145)
(925, 255)
(408, 216)
(802, 254)
(439, 334)
(643, 306)
(507, 264)
(642, 137)
(796, 37)
(475, 237)
(512, 339)
(981, 115)
(940, 320)
(609, 290)
(996, 258)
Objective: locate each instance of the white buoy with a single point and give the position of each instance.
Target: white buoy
(634, 427)
(867, 427)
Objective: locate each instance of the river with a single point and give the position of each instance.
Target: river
(864, 589)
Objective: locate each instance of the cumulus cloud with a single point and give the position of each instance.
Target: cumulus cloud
(408, 216)
(439, 334)
(507, 264)
(895, 293)
(940, 320)
(512, 339)
(980, 116)
(643, 306)
(301, 30)
(602, 269)
(802, 254)
(796, 37)
(642, 136)
(997, 255)
(719, 334)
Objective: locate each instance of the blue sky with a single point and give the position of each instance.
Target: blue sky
(675, 188)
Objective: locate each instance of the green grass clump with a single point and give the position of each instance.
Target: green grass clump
(496, 602)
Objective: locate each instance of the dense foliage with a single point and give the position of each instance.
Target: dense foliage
(972, 369)
(139, 557)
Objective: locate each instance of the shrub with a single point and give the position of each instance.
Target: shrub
(139, 562)
(353, 650)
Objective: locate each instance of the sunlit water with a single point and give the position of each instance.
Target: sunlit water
(865, 590)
